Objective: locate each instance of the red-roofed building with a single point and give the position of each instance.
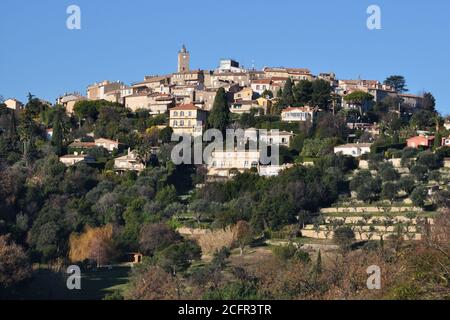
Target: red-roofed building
(420, 141)
(187, 119)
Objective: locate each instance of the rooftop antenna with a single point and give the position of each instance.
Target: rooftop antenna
(253, 64)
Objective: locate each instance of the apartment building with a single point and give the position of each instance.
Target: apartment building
(187, 119)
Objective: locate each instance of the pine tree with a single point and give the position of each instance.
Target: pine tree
(219, 117)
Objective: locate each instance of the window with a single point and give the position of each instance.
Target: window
(182, 114)
(190, 113)
(175, 123)
(181, 122)
(175, 113)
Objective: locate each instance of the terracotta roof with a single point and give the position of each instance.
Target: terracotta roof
(189, 106)
(75, 156)
(353, 145)
(288, 70)
(278, 78)
(138, 94)
(105, 140)
(429, 138)
(304, 109)
(78, 144)
(262, 81)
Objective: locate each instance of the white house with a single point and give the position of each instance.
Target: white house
(298, 114)
(261, 85)
(108, 144)
(447, 125)
(221, 162)
(353, 149)
(72, 159)
(272, 170)
(129, 162)
(281, 138)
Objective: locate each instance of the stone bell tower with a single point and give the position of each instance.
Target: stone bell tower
(183, 60)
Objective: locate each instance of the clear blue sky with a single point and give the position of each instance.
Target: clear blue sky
(125, 40)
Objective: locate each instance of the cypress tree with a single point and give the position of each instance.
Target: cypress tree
(219, 117)
(318, 266)
(12, 127)
(288, 94)
(57, 137)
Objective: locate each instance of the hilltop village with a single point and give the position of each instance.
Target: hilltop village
(362, 179)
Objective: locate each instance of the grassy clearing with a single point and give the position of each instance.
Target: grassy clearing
(49, 285)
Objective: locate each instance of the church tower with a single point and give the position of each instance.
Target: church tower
(183, 60)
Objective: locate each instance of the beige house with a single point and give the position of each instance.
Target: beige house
(295, 74)
(98, 91)
(245, 106)
(108, 144)
(183, 94)
(298, 114)
(151, 84)
(204, 99)
(14, 104)
(187, 119)
(129, 162)
(245, 94)
(118, 95)
(264, 102)
(154, 102)
(220, 79)
(72, 159)
(69, 100)
(187, 78)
